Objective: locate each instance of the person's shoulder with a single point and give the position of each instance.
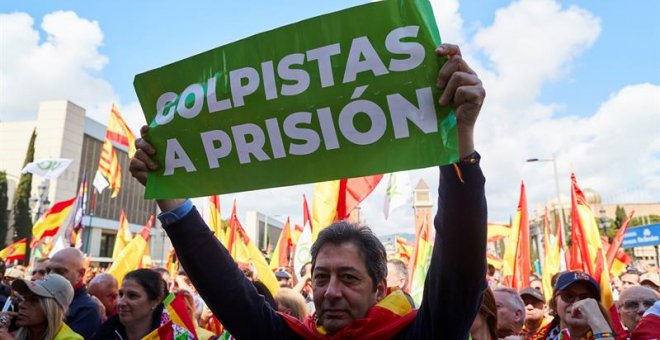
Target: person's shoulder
(66, 333)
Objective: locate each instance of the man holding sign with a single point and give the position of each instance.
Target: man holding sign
(348, 262)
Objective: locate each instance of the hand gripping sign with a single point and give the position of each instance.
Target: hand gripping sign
(347, 94)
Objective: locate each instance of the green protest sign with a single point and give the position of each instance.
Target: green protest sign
(347, 94)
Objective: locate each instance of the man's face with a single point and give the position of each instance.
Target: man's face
(508, 317)
(107, 295)
(67, 268)
(533, 308)
(633, 303)
(629, 280)
(39, 270)
(394, 279)
(342, 288)
(537, 284)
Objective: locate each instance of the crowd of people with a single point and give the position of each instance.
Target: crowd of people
(349, 290)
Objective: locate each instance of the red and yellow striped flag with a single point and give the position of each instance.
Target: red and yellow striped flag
(50, 222)
(119, 132)
(421, 259)
(497, 231)
(516, 267)
(282, 254)
(14, 251)
(124, 236)
(215, 218)
(552, 260)
(130, 257)
(109, 167)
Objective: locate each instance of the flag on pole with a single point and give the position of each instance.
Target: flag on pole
(334, 200)
(497, 231)
(50, 222)
(75, 225)
(303, 245)
(494, 261)
(398, 192)
(402, 249)
(15, 251)
(215, 217)
(589, 248)
(617, 241)
(421, 260)
(282, 254)
(516, 267)
(552, 260)
(243, 250)
(50, 168)
(124, 236)
(172, 263)
(109, 167)
(119, 132)
(129, 258)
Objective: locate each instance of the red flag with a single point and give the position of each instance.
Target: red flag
(282, 254)
(517, 264)
(352, 191)
(617, 241)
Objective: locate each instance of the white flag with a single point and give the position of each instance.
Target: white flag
(100, 183)
(303, 249)
(48, 168)
(398, 193)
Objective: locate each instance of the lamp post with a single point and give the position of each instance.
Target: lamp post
(41, 201)
(603, 221)
(554, 168)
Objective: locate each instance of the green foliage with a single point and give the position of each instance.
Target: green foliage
(4, 216)
(621, 216)
(22, 223)
(644, 220)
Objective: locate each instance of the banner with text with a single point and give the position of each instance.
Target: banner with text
(347, 94)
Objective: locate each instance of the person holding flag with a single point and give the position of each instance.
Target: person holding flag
(348, 261)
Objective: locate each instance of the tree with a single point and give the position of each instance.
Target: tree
(22, 225)
(621, 216)
(4, 216)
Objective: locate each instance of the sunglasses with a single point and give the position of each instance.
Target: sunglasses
(569, 297)
(634, 304)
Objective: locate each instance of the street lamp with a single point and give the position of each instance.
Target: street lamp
(554, 168)
(603, 221)
(41, 201)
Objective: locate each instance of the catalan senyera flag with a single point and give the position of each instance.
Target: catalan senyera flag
(119, 132)
(175, 322)
(124, 236)
(14, 251)
(214, 218)
(552, 260)
(334, 200)
(109, 167)
(130, 257)
(282, 254)
(49, 224)
(242, 249)
(420, 260)
(402, 249)
(587, 241)
(516, 266)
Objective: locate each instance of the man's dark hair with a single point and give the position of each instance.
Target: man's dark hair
(372, 250)
(400, 267)
(631, 272)
(491, 270)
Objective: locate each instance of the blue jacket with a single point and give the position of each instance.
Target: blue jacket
(83, 316)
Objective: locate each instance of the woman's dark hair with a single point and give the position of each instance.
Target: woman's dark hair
(489, 310)
(150, 281)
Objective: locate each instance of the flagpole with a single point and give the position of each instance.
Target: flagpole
(91, 217)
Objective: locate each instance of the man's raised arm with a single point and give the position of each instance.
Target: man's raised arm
(456, 277)
(210, 267)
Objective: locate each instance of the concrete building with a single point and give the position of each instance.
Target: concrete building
(63, 131)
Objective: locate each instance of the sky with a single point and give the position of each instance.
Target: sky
(573, 81)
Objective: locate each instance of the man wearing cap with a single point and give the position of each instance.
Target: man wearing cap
(534, 312)
(632, 304)
(651, 280)
(36, 318)
(83, 315)
(283, 278)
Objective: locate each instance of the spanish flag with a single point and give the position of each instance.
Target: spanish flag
(14, 251)
(516, 267)
(124, 236)
(215, 219)
(175, 321)
(50, 222)
(282, 253)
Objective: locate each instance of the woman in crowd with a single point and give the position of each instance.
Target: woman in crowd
(139, 307)
(41, 310)
(484, 326)
(292, 303)
(579, 313)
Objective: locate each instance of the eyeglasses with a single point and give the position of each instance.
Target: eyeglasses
(569, 297)
(634, 304)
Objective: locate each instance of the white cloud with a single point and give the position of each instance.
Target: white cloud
(65, 63)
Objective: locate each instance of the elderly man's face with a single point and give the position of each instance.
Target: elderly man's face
(508, 316)
(343, 290)
(633, 303)
(533, 308)
(39, 270)
(394, 278)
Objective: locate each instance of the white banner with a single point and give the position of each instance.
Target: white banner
(100, 183)
(398, 192)
(48, 168)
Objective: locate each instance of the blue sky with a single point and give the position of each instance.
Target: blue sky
(591, 99)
